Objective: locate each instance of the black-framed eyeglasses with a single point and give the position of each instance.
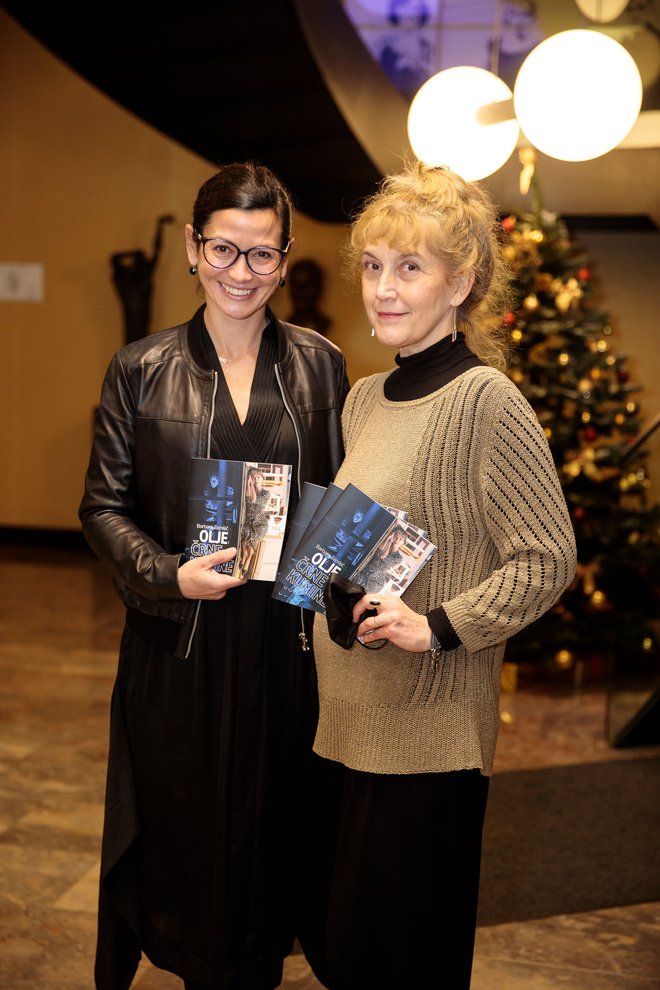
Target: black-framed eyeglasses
(262, 260)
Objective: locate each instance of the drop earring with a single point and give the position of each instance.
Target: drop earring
(193, 269)
(454, 329)
(373, 331)
(282, 283)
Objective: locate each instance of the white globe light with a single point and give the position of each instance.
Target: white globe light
(577, 95)
(444, 128)
(602, 10)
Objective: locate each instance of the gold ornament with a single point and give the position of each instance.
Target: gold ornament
(631, 407)
(564, 659)
(602, 346)
(516, 336)
(586, 417)
(527, 158)
(567, 294)
(586, 573)
(584, 462)
(599, 600)
(517, 376)
(563, 359)
(647, 643)
(531, 302)
(595, 374)
(619, 419)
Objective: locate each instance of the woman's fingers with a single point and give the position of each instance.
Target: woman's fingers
(392, 619)
(199, 579)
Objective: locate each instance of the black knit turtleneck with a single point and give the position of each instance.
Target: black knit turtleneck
(427, 371)
(419, 375)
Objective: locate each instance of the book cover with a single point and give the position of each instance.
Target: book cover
(396, 560)
(240, 504)
(310, 498)
(350, 529)
(330, 496)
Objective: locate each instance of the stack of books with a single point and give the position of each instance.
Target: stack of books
(344, 531)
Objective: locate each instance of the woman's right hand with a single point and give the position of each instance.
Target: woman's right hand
(197, 579)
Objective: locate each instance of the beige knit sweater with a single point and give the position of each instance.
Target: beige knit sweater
(472, 466)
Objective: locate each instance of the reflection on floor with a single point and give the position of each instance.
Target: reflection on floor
(59, 630)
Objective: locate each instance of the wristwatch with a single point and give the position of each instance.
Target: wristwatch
(436, 650)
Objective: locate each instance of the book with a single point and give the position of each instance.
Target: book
(330, 496)
(242, 504)
(310, 497)
(396, 560)
(348, 536)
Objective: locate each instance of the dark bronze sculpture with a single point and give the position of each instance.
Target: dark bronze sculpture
(132, 273)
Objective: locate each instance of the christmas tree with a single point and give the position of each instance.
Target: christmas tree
(565, 363)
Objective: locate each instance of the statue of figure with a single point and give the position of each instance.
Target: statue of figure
(132, 274)
(306, 283)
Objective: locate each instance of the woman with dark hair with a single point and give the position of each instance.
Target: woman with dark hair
(214, 705)
(407, 732)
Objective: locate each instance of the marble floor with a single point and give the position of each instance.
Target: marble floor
(59, 628)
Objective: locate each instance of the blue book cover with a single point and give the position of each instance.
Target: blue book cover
(240, 504)
(330, 496)
(310, 497)
(350, 528)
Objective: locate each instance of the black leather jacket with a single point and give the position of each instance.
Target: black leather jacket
(155, 414)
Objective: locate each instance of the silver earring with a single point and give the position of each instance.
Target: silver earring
(373, 332)
(193, 269)
(454, 330)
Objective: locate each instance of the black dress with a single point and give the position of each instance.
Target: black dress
(395, 895)
(208, 763)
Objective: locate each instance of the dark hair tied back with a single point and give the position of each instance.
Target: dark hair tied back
(244, 186)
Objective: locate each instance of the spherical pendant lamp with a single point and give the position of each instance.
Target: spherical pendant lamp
(602, 10)
(577, 95)
(444, 125)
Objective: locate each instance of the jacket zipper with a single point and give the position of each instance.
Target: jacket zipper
(302, 635)
(208, 454)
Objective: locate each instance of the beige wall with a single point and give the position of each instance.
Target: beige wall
(82, 179)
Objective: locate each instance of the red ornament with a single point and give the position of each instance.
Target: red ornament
(510, 319)
(578, 512)
(590, 434)
(622, 375)
(509, 222)
(584, 274)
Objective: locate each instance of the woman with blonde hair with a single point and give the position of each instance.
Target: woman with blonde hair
(407, 733)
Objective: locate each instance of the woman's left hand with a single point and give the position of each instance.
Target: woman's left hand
(394, 621)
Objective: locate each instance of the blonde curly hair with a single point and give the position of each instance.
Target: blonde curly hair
(457, 222)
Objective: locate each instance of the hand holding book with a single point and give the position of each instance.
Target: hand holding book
(199, 577)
